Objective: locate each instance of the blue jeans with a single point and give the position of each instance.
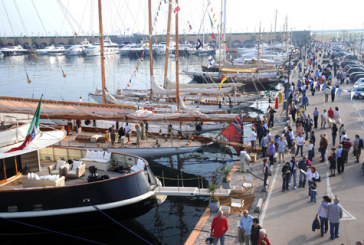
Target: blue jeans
(302, 181)
(311, 154)
(333, 139)
(222, 240)
(313, 196)
(298, 149)
(309, 187)
(306, 138)
(324, 225)
(334, 230)
(285, 183)
(323, 152)
(294, 175)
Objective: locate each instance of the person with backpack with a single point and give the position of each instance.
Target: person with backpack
(357, 145)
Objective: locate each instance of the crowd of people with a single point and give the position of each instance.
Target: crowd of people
(302, 143)
(249, 230)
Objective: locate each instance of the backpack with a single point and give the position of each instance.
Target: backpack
(361, 143)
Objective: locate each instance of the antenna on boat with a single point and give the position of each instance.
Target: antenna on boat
(102, 53)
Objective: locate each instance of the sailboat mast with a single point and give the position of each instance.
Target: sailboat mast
(102, 54)
(150, 38)
(167, 48)
(150, 45)
(259, 40)
(222, 2)
(177, 62)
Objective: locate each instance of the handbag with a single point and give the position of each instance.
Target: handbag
(316, 224)
(269, 172)
(241, 237)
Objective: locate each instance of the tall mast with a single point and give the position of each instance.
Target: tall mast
(167, 48)
(224, 32)
(150, 41)
(102, 54)
(259, 40)
(222, 1)
(177, 62)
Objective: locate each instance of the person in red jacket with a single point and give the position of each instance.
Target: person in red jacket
(219, 227)
(330, 113)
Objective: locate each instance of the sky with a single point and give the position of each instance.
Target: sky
(66, 17)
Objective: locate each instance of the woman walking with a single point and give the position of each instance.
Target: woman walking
(334, 130)
(311, 150)
(323, 214)
(332, 161)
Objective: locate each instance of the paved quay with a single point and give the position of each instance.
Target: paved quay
(287, 216)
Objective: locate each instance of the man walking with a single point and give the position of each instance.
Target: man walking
(264, 142)
(339, 162)
(335, 213)
(282, 148)
(219, 227)
(293, 166)
(333, 92)
(316, 114)
(246, 222)
(357, 145)
(302, 165)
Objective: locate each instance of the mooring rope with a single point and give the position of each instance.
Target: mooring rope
(119, 224)
(52, 231)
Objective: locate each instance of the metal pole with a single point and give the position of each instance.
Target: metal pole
(287, 85)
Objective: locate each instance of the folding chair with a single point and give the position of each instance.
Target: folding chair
(248, 183)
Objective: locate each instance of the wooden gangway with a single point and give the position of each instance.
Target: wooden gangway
(189, 191)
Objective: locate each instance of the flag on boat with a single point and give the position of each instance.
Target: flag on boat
(32, 131)
(177, 9)
(189, 26)
(223, 79)
(213, 36)
(235, 131)
(199, 44)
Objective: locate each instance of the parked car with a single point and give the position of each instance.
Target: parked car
(358, 76)
(358, 93)
(359, 83)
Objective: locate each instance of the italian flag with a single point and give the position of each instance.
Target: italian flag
(32, 131)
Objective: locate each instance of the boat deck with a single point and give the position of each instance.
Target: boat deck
(18, 182)
(82, 140)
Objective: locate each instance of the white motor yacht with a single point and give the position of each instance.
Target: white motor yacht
(13, 50)
(52, 50)
(126, 49)
(78, 49)
(109, 48)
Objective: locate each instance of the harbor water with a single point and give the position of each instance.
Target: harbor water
(173, 221)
